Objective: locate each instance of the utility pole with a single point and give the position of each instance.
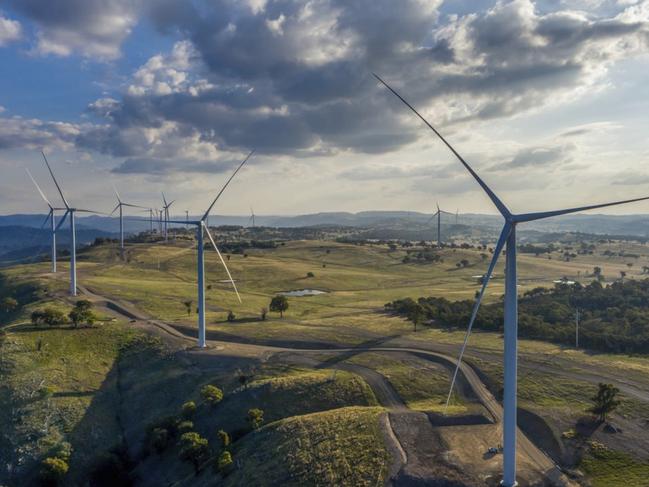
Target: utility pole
(186, 217)
(577, 328)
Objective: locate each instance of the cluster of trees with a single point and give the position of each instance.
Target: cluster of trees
(192, 447)
(81, 314)
(423, 256)
(614, 318)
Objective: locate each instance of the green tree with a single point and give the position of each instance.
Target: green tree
(194, 448)
(53, 470)
(231, 316)
(50, 317)
(255, 418)
(224, 462)
(224, 438)
(188, 305)
(605, 402)
(82, 313)
(279, 304)
(212, 394)
(188, 409)
(263, 313)
(8, 304)
(159, 439)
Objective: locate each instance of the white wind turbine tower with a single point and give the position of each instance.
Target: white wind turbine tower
(201, 228)
(50, 216)
(252, 217)
(507, 235)
(165, 208)
(73, 234)
(438, 214)
(120, 205)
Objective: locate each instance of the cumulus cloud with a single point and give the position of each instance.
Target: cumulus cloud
(10, 31)
(538, 157)
(17, 132)
(94, 28)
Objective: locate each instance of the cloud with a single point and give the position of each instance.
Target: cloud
(94, 28)
(10, 31)
(168, 166)
(537, 157)
(34, 134)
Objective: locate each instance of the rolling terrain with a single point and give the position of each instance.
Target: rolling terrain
(387, 381)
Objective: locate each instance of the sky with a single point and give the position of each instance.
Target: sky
(548, 100)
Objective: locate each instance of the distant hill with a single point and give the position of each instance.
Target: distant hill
(23, 243)
(637, 225)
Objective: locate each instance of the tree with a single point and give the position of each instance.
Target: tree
(188, 305)
(622, 275)
(194, 448)
(8, 304)
(212, 394)
(279, 304)
(263, 313)
(53, 469)
(597, 272)
(231, 316)
(310, 274)
(605, 402)
(224, 438)
(48, 316)
(82, 313)
(188, 409)
(255, 417)
(224, 462)
(159, 439)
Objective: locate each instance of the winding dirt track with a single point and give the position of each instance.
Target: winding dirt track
(385, 393)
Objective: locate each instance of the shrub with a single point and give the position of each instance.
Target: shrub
(188, 409)
(8, 304)
(193, 448)
(81, 313)
(224, 462)
(224, 438)
(231, 316)
(185, 426)
(48, 316)
(159, 439)
(212, 394)
(263, 313)
(310, 274)
(255, 418)
(53, 469)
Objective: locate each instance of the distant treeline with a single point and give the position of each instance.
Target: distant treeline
(614, 318)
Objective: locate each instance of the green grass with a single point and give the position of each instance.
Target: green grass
(52, 391)
(342, 447)
(608, 468)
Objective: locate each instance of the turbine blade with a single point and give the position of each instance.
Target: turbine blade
(485, 281)
(65, 215)
(117, 194)
(114, 209)
(38, 188)
(47, 218)
(164, 199)
(226, 184)
(222, 260)
(496, 201)
(82, 210)
(528, 217)
(183, 222)
(55, 181)
(135, 206)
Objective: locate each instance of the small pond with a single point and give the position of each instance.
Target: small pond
(302, 292)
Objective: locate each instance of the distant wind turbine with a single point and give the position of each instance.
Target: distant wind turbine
(507, 235)
(201, 229)
(120, 205)
(69, 211)
(438, 214)
(50, 216)
(166, 213)
(252, 217)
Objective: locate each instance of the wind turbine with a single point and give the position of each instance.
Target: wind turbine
(438, 214)
(252, 217)
(120, 205)
(508, 236)
(165, 208)
(201, 228)
(49, 216)
(73, 234)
